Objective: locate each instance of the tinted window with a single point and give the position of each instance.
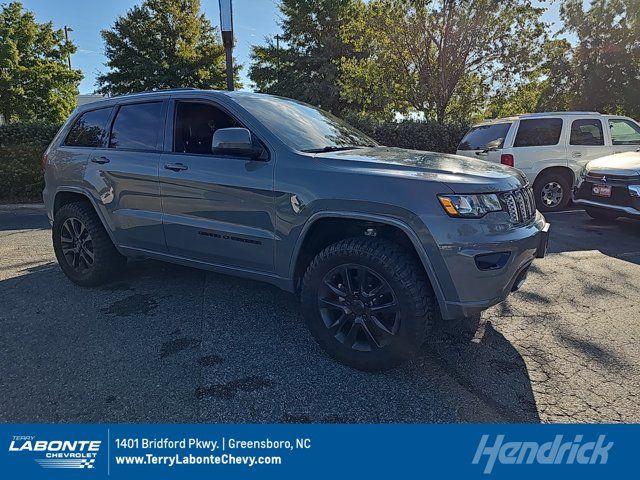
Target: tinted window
(624, 132)
(195, 124)
(586, 132)
(89, 129)
(479, 137)
(302, 126)
(538, 132)
(137, 126)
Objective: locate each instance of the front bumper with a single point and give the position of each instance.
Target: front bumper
(625, 211)
(621, 201)
(476, 290)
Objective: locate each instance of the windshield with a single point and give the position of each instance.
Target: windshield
(301, 126)
(478, 137)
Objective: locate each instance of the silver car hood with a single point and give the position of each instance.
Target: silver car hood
(622, 164)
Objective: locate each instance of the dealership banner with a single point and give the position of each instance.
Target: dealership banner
(317, 451)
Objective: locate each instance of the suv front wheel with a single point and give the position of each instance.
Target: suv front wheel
(367, 303)
(83, 247)
(552, 192)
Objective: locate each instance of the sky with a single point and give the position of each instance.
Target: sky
(253, 21)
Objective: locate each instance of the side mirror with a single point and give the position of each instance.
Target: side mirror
(233, 141)
(493, 145)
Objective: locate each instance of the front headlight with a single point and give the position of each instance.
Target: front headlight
(470, 206)
(634, 190)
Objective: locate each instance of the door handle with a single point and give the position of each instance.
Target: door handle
(576, 154)
(176, 167)
(100, 160)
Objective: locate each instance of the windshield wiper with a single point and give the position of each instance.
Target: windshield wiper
(333, 148)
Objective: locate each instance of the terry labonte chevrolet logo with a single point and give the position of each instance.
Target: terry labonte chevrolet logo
(57, 453)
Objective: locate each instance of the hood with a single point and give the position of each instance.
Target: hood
(623, 164)
(460, 174)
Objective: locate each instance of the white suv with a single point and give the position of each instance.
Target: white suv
(551, 148)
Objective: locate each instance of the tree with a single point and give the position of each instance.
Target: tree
(438, 57)
(163, 44)
(602, 71)
(35, 80)
(305, 65)
(534, 91)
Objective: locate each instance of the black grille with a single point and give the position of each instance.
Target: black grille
(592, 177)
(520, 204)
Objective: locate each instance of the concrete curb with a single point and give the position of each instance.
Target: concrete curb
(11, 207)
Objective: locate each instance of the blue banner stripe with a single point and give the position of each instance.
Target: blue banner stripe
(317, 451)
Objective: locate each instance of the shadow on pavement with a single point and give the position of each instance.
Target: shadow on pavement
(576, 231)
(171, 344)
(27, 218)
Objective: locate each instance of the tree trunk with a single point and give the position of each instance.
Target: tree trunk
(441, 113)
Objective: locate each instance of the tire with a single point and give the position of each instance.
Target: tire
(601, 213)
(544, 188)
(79, 221)
(389, 338)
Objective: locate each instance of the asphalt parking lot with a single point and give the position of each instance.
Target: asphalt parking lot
(172, 344)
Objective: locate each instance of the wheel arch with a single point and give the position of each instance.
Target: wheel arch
(564, 171)
(66, 195)
(309, 243)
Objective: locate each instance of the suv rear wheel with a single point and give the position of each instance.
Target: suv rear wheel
(552, 192)
(83, 248)
(367, 303)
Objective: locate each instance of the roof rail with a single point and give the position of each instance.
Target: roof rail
(159, 90)
(542, 114)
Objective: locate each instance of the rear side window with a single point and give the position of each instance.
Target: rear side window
(538, 132)
(89, 129)
(586, 132)
(624, 132)
(479, 137)
(137, 126)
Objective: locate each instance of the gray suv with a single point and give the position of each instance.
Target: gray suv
(379, 243)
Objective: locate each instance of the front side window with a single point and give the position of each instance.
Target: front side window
(586, 132)
(137, 126)
(301, 126)
(624, 132)
(89, 129)
(479, 137)
(195, 124)
(538, 132)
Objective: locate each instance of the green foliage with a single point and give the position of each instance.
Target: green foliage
(437, 57)
(21, 148)
(602, 72)
(414, 134)
(533, 92)
(306, 64)
(163, 44)
(35, 80)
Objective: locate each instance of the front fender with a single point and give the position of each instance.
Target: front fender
(418, 244)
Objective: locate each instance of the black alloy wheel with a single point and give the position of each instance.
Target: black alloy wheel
(368, 303)
(358, 307)
(82, 246)
(77, 245)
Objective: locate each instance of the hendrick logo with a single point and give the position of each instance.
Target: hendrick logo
(58, 453)
(553, 452)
